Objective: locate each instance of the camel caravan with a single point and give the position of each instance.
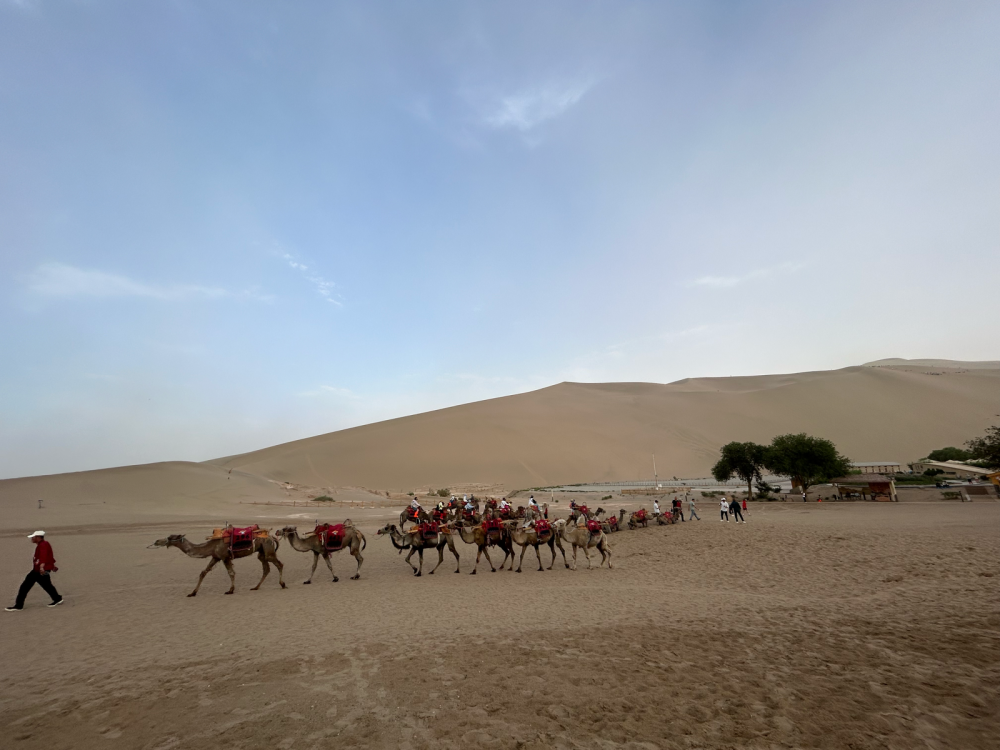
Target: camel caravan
(496, 525)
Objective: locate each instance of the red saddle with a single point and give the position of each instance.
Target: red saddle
(593, 526)
(542, 527)
(640, 515)
(440, 515)
(492, 525)
(613, 521)
(240, 538)
(412, 514)
(331, 536)
(583, 509)
(429, 528)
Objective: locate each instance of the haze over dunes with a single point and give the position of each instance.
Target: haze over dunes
(574, 432)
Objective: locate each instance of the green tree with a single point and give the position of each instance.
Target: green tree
(986, 449)
(743, 460)
(949, 454)
(808, 460)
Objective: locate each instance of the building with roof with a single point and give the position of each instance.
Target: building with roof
(875, 486)
(878, 467)
(951, 469)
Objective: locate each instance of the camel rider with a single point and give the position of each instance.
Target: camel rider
(469, 507)
(441, 506)
(415, 508)
(504, 506)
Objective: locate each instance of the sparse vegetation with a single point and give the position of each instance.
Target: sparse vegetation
(808, 460)
(986, 450)
(443, 492)
(949, 454)
(933, 472)
(606, 497)
(743, 460)
(323, 499)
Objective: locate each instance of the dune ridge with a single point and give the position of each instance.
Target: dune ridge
(576, 432)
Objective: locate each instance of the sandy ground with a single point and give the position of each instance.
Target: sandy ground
(827, 625)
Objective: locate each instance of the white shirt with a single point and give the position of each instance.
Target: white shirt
(533, 504)
(656, 507)
(414, 504)
(468, 505)
(724, 506)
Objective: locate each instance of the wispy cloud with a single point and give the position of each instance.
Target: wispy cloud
(324, 287)
(727, 282)
(62, 280)
(528, 108)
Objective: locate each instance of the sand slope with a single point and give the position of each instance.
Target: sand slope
(574, 432)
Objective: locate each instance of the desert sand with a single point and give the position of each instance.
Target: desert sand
(819, 625)
(816, 625)
(583, 432)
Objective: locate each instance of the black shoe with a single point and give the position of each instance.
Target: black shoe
(12, 609)
(57, 602)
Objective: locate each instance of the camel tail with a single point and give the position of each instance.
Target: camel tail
(364, 542)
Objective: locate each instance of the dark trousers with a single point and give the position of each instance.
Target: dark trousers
(736, 513)
(45, 581)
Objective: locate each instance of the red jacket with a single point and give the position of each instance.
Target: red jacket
(44, 561)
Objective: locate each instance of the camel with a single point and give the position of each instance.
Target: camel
(614, 524)
(576, 514)
(638, 518)
(477, 535)
(417, 543)
(353, 540)
(266, 549)
(582, 537)
(668, 517)
(529, 537)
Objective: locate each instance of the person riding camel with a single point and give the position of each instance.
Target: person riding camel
(415, 507)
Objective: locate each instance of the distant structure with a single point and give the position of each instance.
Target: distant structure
(954, 469)
(878, 467)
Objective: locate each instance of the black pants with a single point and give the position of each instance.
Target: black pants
(45, 581)
(736, 513)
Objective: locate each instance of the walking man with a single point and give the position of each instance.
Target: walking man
(44, 564)
(693, 513)
(724, 508)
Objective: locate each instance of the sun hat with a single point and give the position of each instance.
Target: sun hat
(37, 533)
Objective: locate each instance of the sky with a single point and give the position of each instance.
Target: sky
(224, 225)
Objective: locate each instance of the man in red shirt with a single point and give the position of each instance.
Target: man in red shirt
(44, 564)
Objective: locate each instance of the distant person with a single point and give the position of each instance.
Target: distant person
(724, 508)
(678, 508)
(656, 507)
(734, 508)
(744, 506)
(692, 512)
(803, 495)
(43, 565)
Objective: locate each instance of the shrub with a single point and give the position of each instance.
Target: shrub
(323, 499)
(444, 492)
(606, 497)
(933, 472)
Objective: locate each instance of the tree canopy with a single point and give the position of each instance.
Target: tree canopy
(743, 460)
(949, 454)
(986, 449)
(807, 459)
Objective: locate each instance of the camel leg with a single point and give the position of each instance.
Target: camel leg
(313, 571)
(586, 553)
(356, 551)
(267, 569)
(521, 560)
(451, 546)
(201, 577)
(486, 552)
(558, 543)
(411, 564)
(574, 557)
(508, 550)
(420, 554)
(605, 549)
(281, 568)
(232, 575)
(440, 550)
(539, 556)
(329, 564)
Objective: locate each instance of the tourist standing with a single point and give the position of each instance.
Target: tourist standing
(734, 508)
(43, 565)
(724, 508)
(744, 508)
(692, 513)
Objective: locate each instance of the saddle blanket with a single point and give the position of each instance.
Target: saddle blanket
(542, 527)
(593, 526)
(331, 536)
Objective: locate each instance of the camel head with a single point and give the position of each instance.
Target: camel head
(387, 529)
(599, 512)
(285, 531)
(171, 541)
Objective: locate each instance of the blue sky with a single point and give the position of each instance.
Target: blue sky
(229, 224)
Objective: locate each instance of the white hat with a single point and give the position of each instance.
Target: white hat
(37, 533)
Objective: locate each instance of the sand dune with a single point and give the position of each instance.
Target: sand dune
(575, 432)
